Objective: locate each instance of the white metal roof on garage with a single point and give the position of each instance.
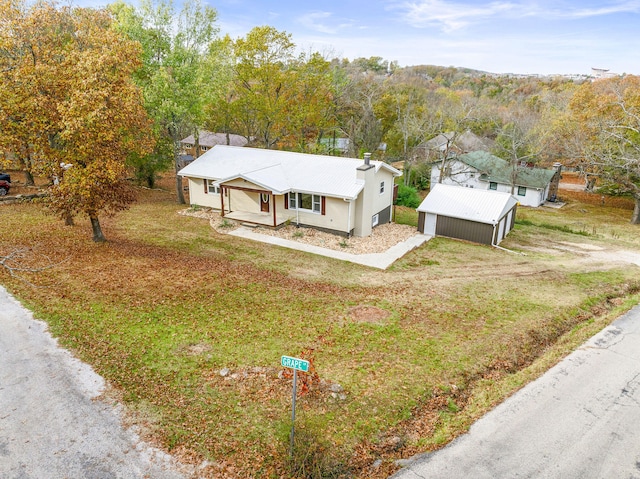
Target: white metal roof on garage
(282, 171)
(482, 206)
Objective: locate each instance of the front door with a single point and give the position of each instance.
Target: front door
(264, 202)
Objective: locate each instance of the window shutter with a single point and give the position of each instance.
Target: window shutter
(206, 190)
(286, 201)
(323, 206)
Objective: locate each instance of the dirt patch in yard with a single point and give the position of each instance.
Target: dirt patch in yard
(368, 314)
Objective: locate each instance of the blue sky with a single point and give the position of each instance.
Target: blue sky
(546, 37)
(510, 36)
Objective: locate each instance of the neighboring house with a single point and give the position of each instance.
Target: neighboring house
(340, 146)
(184, 160)
(335, 146)
(451, 143)
(479, 169)
(476, 215)
(270, 187)
(207, 140)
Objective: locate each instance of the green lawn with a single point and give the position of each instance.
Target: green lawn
(446, 332)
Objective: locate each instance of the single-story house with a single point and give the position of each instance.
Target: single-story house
(481, 216)
(452, 143)
(207, 140)
(346, 196)
(341, 146)
(480, 169)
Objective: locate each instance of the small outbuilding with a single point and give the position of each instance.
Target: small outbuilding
(480, 216)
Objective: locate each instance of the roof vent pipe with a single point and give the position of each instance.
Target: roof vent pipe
(367, 158)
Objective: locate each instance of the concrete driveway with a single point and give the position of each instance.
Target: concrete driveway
(580, 420)
(51, 424)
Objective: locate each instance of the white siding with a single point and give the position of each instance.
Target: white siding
(462, 175)
(382, 201)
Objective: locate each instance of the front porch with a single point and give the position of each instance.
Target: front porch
(256, 218)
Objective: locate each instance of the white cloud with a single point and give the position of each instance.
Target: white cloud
(618, 7)
(451, 16)
(314, 21)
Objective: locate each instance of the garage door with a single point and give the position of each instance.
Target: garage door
(464, 229)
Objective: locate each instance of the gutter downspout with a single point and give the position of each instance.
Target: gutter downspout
(500, 247)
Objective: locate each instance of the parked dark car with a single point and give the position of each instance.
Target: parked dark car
(5, 177)
(4, 187)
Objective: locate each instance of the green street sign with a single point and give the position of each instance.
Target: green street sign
(295, 363)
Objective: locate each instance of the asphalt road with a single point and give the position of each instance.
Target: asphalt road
(52, 426)
(580, 420)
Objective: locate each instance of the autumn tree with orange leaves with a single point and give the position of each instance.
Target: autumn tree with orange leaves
(606, 119)
(66, 91)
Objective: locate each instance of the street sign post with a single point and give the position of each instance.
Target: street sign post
(297, 365)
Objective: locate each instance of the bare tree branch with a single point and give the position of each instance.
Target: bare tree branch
(22, 261)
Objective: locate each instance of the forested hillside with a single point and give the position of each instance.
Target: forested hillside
(262, 87)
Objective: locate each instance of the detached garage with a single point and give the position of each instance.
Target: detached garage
(480, 216)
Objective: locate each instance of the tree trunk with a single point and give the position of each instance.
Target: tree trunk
(635, 218)
(98, 237)
(68, 220)
(26, 166)
(28, 178)
(180, 194)
(176, 159)
(406, 173)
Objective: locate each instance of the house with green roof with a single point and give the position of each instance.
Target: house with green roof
(480, 169)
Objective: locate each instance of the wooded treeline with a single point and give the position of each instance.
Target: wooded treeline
(110, 92)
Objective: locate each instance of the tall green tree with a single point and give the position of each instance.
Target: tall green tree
(172, 75)
(264, 84)
(309, 112)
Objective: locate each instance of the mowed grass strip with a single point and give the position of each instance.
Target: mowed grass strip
(167, 304)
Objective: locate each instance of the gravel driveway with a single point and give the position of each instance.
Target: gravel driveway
(51, 423)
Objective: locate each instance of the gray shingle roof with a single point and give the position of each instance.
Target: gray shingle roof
(208, 139)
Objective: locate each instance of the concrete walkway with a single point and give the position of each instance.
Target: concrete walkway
(375, 260)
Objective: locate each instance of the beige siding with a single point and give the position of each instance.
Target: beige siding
(335, 217)
(382, 201)
(240, 200)
(240, 183)
(197, 195)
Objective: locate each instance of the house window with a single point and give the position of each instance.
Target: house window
(381, 187)
(212, 188)
(188, 145)
(522, 191)
(375, 219)
(305, 201)
(203, 148)
(493, 185)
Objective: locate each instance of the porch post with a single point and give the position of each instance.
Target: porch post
(274, 205)
(222, 192)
